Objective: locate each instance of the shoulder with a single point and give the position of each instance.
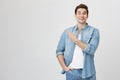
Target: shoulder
(70, 28)
(93, 28)
(95, 31)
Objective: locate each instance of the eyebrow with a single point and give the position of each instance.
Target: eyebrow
(83, 11)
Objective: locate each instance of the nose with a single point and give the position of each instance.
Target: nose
(81, 15)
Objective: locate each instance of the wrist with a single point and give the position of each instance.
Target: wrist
(76, 40)
(65, 68)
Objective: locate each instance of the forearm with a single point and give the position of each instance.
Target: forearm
(81, 44)
(61, 61)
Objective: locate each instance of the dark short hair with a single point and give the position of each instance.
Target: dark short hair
(81, 6)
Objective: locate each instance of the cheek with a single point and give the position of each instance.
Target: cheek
(76, 16)
(86, 16)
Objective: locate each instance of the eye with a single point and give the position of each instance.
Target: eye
(79, 13)
(84, 13)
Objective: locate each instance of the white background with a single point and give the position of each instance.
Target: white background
(30, 30)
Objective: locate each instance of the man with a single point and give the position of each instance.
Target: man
(76, 48)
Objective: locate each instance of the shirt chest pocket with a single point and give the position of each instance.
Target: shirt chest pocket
(86, 37)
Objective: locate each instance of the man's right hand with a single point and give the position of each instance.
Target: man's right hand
(67, 68)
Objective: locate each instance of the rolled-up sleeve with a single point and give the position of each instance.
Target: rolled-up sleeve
(61, 45)
(93, 43)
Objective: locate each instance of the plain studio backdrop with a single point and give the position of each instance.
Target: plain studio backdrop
(30, 30)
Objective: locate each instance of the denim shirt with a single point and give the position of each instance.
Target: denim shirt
(90, 36)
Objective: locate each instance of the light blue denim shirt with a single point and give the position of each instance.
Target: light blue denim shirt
(90, 36)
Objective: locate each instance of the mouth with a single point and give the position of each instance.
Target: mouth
(81, 19)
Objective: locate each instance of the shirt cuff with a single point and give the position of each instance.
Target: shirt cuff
(87, 49)
(59, 53)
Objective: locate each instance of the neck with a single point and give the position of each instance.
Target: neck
(81, 26)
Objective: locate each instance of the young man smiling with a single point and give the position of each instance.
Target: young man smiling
(76, 48)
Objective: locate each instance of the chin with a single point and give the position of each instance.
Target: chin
(81, 22)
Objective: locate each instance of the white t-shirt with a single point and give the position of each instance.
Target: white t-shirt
(78, 58)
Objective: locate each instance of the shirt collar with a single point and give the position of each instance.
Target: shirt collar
(76, 28)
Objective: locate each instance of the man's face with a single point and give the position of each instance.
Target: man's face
(81, 15)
